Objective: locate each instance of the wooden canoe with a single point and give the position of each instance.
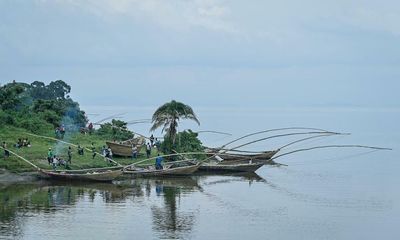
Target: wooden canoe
(124, 149)
(168, 170)
(233, 167)
(95, 174)
(254, 157)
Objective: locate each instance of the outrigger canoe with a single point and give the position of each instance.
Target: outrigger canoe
(168, 170)
(264, 156)
(95, 174)
(231, 167)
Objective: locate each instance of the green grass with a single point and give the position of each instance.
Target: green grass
(37, 154)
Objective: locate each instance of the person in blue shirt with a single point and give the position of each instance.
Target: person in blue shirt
(159, 159)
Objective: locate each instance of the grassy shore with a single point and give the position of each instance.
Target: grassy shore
(37, 153)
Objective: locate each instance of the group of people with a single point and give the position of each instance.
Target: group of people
(106, 152)
(154, 142)
(89, 129)
(23, 143)
(56, 161)
(60, 132)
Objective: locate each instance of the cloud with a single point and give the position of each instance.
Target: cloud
(174, 14)
(379, 19)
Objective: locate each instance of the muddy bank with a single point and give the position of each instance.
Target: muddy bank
(7, 177)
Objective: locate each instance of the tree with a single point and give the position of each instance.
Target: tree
(116, 130)
(186, 141)
(10, 95)
(168, 116)
(57, 90)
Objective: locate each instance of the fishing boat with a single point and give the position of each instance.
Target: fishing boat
(168, 170)
(263, 156)
(213, 166)
(95, 174)
(124, 149)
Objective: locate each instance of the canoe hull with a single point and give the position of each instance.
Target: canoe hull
(123, 150)
(92, 175)
(239, 157)
(177, 171)
(245, 167)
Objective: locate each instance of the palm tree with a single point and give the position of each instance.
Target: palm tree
(168, 116)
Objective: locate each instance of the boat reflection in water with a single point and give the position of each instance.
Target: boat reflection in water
(166, 207)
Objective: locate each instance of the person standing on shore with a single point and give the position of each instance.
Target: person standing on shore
(6, 152)
(93, 151)
(90, 128)
(134, 151)
(50, 156)
(151, 140)
(148, 150)
(69, 155)
(80, 150)
(158, 145)
(109, 154)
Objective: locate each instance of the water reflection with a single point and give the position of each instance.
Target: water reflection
(172, 215)
(168, 221)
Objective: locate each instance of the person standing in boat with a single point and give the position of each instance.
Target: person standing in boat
(50, 156)
(159, 160)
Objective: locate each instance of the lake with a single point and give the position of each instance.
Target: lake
(324, 194)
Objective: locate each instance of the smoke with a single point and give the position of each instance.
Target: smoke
(71, 127)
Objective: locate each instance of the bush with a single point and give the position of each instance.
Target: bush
(35, 125)
(51, 117)
(186, 141)
(6, 119)
(116, 130)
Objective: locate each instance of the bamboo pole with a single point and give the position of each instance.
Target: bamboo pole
(312, 137)
(216, 132)
(166, 155)
(274, 130)
(120, 128)
(71, 144)
(22, 158)
(284, 146)
(110, 117)
(266, 138)
(330, 146)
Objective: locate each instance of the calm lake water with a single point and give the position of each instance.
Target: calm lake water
(325, 194)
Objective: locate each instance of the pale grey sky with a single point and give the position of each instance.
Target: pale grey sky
(207, 53)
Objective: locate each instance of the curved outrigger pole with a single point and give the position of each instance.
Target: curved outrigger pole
(271, 137)
(274, 130)
(330, 146)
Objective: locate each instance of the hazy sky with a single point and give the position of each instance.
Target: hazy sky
(207, 53)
